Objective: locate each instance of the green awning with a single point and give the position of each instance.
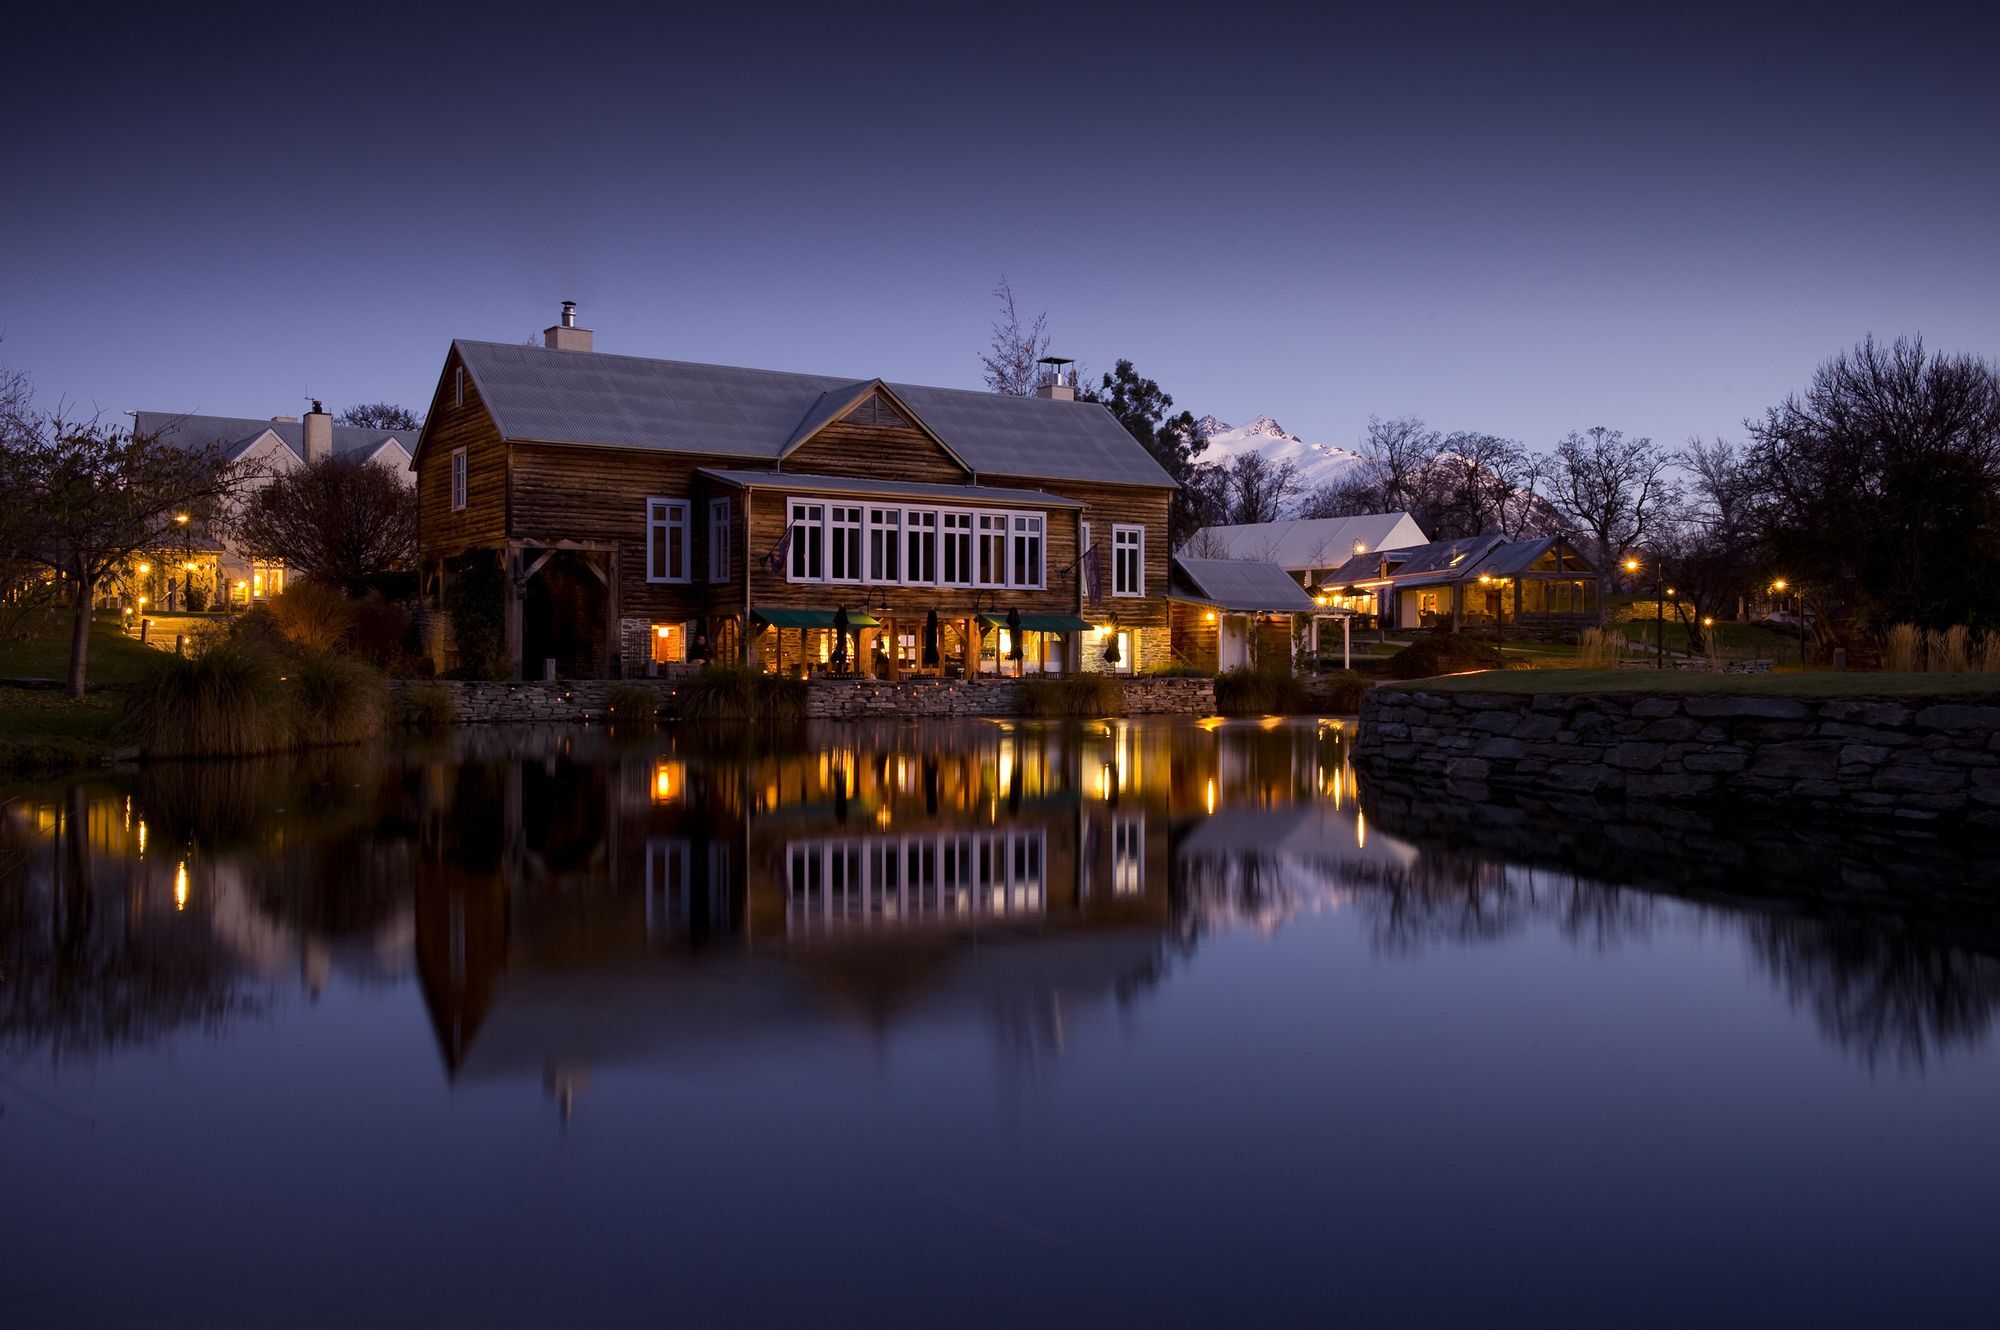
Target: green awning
(1040, 623)
(786, 618)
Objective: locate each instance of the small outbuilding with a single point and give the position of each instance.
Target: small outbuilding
(1229, 613)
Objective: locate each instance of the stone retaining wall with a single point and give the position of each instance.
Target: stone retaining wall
(476, 703)
(1919, 759)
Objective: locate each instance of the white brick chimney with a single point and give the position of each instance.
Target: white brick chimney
(319, 434)
(565, 335)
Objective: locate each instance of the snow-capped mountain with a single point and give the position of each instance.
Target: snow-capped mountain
(1317, 463)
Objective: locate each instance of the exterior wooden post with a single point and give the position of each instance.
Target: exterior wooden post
(510, 568)
(1457, 595)
(612, 621)
(895, 663)
(749, 571)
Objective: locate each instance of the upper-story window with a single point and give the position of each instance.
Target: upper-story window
(920, 526)
(720, 540)
(957, 550)
(993, 549)
(885, 538)
(1027, 546)
(666, 540)
(457, 479)
(458, 387)
(1128, 561)
(808, 531)
(843, 543)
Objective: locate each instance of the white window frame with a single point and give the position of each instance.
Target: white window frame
(997, 527)
(920, 525)
(836, 528)
(721, 525)
(885, 532)
(948, 532)
(1022, 528)
(458, 387)
(807, 518)
(1128, 855)
(669, 516)
(1137, 544)
(459, 469)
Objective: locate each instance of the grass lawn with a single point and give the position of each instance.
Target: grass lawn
(1740, 641)
(36, 646)
(43, 730)
(1816, 683)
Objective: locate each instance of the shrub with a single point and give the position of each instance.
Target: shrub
(631, 702)
(229, 701)
(736, 692)
(1254, 692)
(197, 597)
(1444, 653)
(380, 632)
(335, 700)
(428, 709)
(1178, 669)
(311, 616)
(1078, 696)
(475, 600)
(1902, 648)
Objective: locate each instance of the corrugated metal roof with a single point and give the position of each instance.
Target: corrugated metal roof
(899, 489)
(592, 398)
(1312, 542)
(1244, 586)
(236, 433)
(1446, 558)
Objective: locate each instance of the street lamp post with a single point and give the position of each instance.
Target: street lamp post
(187, 561)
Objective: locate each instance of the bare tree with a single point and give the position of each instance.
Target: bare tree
(1616, 490)
(1260, 489)
(1011, 364)
(95, 497)
(379, 415)
(338, 520)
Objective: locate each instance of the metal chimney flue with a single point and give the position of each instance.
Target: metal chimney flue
(1055, 381)
(565, 335)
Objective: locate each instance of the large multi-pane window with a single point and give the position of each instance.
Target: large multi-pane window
(1128, 561)
(993, 549)
(719, 540)
(808, 530)
(957, 550)
(921, 524)
(838, 542)
(843, 543)
(666, 540)
(884, 542)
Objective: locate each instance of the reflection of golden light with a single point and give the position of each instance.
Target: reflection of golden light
(883, 816)
(1360, 830)
(142, 838)
(181, 886)
(1208, 796)
(668, 778)
(1338, 789)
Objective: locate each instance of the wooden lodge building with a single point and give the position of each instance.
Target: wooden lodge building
(644, 514)
(1475, 582)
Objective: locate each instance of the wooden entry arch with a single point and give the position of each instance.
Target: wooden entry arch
(523, 559)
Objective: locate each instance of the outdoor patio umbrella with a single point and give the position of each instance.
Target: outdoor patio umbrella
(840, 638)
(932, 656)
(1111, 656)
(699, 651)
(1014, 651)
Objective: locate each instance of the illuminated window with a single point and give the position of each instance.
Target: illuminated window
(266, 579)
(669, 643)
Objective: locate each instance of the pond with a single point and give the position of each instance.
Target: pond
(1151, 1023)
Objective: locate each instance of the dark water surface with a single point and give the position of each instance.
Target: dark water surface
(1131, 1024)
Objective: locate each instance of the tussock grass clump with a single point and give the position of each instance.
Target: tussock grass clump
(1596, 649)
(733, 692)
(1903, 648)
(1177, 670)
(1341, 690)
(230, 701)
(1951, 650)
(335, 700)
(1078, 696)
(1989, 653)
(428, 708)
(311, 616)
(1254, 692)
(631, 702)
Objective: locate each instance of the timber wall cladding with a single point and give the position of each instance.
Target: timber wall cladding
(483, 521)
(848, 447)
(1115, 505)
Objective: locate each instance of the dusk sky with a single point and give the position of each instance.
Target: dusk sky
(1655, 218)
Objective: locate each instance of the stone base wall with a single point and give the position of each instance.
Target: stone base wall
(1154, 646)
(1918, 759)
(478, 702)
